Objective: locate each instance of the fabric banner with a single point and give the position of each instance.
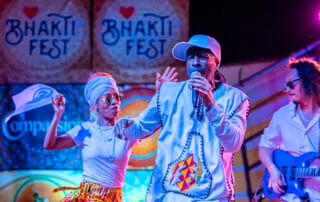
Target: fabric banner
(64, 41)
(134, 39)
(44, 41)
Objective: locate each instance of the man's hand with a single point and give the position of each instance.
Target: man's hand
(169, 75)
(121, 125)
(276, 180)
(204, 88)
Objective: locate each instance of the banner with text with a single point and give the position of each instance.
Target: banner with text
(64, 41)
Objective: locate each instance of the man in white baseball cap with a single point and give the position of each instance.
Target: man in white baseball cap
(201, 42)
(202, 122)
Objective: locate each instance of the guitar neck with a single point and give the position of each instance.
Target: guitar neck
(303, 172)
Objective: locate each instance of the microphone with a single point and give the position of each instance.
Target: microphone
(195, 95)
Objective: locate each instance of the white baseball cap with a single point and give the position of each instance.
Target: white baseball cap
(179, 51)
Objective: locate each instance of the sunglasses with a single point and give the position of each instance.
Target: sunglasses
(108, 98)
(291, 84)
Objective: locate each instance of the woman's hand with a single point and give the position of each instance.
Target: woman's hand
(58, 104)
(169, 75)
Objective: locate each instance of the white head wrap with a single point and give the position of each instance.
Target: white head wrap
(97, 85)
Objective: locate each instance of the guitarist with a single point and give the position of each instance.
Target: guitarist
(294, 128)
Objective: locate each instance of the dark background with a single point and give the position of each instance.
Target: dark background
(251, 30)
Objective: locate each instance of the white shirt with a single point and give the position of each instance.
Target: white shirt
(98, 147)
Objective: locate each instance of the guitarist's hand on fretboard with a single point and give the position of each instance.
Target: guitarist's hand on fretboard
(276, 180)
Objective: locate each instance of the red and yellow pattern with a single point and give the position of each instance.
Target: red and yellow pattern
(91, 192)
(190, 173)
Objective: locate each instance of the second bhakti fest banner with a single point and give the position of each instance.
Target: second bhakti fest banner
(44, 41)
(133, 39)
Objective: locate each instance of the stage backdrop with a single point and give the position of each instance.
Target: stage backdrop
(60, 43)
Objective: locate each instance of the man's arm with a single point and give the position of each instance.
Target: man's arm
(231, 131)
(276, 180)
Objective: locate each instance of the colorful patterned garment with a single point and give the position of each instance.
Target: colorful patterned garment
(91, 192)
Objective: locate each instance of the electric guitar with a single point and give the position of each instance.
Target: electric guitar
(295, 171)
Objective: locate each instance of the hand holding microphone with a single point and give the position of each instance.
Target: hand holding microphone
(195, 95)
(201, 88)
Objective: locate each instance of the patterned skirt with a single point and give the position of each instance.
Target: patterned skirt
(91, 192)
